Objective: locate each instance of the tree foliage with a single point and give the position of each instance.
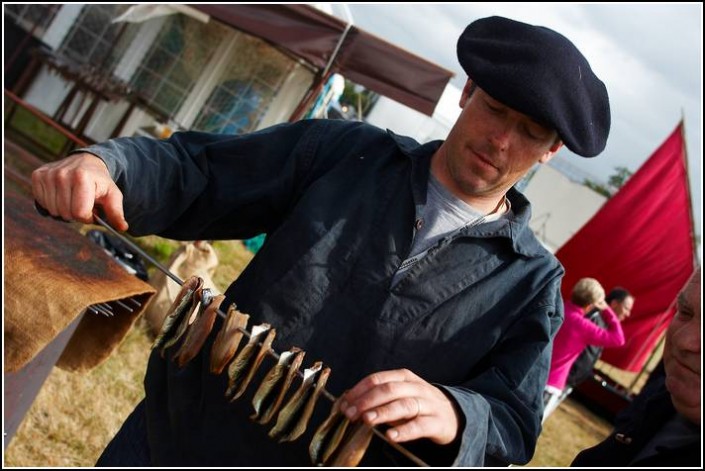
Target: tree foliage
(620, 177)
(358, 98)
(614, 182)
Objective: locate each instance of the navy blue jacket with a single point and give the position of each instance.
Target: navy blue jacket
(338, 201)
(644, 420)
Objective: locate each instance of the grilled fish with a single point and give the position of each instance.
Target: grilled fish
(245, 364)
(203, 296)
(183, 306)
(293, 418)
(198, 332)
(270, 395)
(328, 435)
(228, 339)
(353, 447)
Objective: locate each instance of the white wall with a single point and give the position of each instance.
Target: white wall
(106, 117)
(47, 91)
(389, 114)
(61, 24)
(288, 97)
(560, 207)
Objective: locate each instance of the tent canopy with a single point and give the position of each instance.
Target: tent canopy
(313, 36)
(643, 240)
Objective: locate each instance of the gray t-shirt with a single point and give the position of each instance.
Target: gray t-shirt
(443, 215)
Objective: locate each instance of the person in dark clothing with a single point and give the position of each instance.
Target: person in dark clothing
(409, 269)
(622, 303)
(661, 427)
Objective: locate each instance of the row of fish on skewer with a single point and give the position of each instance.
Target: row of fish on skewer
(336, 442)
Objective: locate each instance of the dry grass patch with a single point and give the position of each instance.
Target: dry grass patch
(233, 257)
(570, 429)
(75, 415)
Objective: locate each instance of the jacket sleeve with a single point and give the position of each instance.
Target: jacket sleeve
(210, 186)
(503, 405)
(611, 336)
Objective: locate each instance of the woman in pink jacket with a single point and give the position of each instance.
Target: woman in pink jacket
(576, 333)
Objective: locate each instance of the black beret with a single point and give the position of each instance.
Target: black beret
(540, 73)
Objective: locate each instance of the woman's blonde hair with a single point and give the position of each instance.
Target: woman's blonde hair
(587, 291)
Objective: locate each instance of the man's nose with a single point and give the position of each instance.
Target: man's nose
(501, 135)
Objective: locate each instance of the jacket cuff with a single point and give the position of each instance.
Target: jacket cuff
(473, 439)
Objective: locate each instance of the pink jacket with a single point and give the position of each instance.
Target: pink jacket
(576, 333)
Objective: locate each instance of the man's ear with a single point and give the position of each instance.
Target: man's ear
(553, 150)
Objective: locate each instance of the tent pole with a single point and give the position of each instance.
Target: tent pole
(663, 320)
(311, 94)
(322, 77)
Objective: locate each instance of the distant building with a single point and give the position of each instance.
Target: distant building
(106, 70)
(560, 207)
(102, 78)
(401, 119)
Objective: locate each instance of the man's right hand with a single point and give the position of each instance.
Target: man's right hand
(72, 187)
(601, 305)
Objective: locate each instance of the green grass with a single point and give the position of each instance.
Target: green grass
(39, 132)
(159, 248)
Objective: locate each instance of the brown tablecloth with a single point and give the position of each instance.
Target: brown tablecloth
(52, 274)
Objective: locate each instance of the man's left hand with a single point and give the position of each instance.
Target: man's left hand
(412, 407)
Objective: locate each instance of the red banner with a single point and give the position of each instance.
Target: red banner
(642, 240)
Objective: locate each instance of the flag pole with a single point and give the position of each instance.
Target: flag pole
(662, 320)
(646, 364)
(690, 195)
(684, 153)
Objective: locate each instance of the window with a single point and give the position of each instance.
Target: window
(93, 39)
(252, 77)
(175, 61)
(31, 16)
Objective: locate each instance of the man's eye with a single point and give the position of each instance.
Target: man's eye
(684, 314)
(494, 109)
(533, 134)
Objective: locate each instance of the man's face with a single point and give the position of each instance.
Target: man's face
(681, 354)
(623, 309)
(491, 147)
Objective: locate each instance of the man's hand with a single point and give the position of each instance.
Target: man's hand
(601, 305)
(413, 407)
(70, 189)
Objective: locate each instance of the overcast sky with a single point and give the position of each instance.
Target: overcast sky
(649, 56)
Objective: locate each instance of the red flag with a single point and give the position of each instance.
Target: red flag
(642, 240)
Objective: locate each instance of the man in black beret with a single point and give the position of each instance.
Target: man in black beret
(541, 74)
(409, 269)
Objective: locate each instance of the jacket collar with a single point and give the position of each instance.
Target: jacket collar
(515, 227)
